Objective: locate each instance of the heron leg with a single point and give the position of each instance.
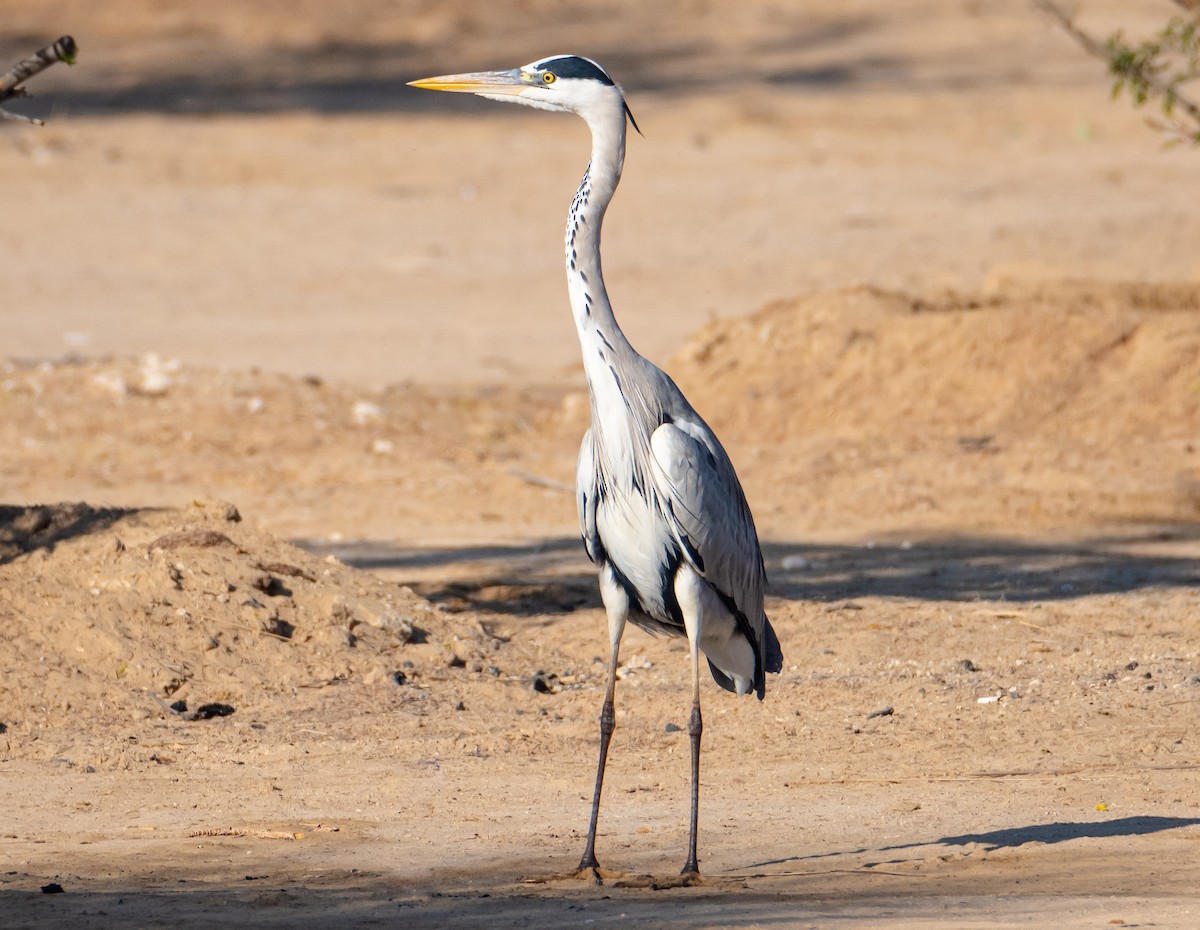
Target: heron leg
(695, 728)
(689, 593)
(616, 603)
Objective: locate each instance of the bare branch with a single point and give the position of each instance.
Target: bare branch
(1067, 21)
(10, 82)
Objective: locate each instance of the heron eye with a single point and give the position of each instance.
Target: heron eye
(549, 77)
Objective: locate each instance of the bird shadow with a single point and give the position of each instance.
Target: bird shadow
(1007, 838)
(552, 575)
(1062, 832)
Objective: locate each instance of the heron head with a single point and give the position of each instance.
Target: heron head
(567, 83)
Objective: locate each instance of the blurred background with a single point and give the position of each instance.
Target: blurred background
(252, 184)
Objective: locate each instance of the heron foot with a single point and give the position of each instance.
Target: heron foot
(590, 873)
(599, 876)
(685, 879)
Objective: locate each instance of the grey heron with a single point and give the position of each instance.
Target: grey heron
(661, 510)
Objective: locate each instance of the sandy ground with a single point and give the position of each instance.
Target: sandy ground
(289, 414)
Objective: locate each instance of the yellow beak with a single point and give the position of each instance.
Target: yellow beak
(478, 82)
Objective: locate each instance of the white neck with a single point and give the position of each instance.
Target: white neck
(600, 338)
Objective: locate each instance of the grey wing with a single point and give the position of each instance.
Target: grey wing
(711, 520)
(587, 493)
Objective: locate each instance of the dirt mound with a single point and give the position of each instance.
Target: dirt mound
(1106, 363)
(1048, 405)
(124, 613)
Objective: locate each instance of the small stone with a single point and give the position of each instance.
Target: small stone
(543, 683)
(364, 412)
(1131, 666)
(52, 888)
(277, 627)
(285, 568)
(371, 612)
(399, 678)
(270, 586)
(968, 666)
(208, 711)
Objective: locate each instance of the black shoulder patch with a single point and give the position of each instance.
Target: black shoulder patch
(572, 66)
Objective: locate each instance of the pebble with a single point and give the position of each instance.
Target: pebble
(364, 412)
(208, 711)
(544, 683)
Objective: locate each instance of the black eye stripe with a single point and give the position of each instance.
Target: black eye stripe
(572, 66)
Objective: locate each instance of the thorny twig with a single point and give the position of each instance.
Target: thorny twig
(10, 82)
(1143, 71)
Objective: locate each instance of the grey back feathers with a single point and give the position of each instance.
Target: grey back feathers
(669, 464)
